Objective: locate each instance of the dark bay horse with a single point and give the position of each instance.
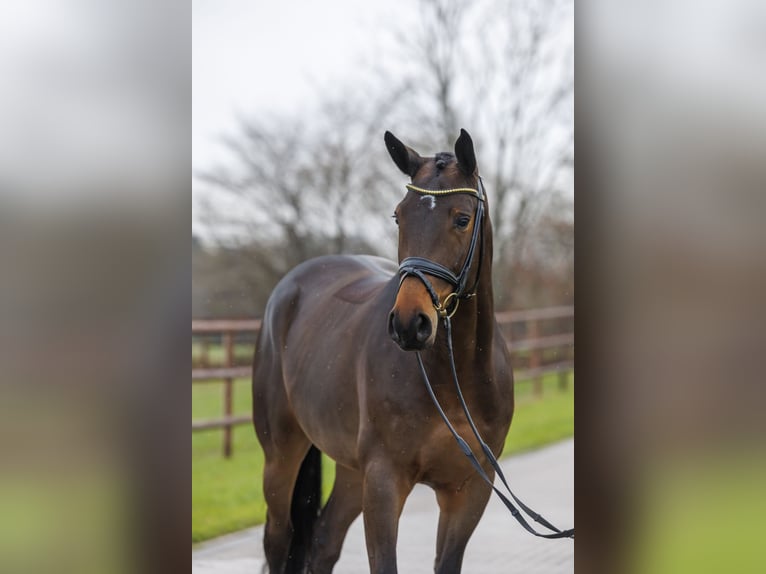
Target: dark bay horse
(332, 374)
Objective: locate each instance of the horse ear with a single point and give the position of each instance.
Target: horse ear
(406, 159)
(466, 157)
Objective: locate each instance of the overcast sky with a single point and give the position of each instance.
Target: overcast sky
(258, 58)
(270, 56)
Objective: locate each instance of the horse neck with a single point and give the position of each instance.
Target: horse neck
(473, 326)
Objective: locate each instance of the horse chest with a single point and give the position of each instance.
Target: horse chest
(431, 449)
(441, 462)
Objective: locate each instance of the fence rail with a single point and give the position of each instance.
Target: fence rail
(544, 342)
(225, 325)
(218, 373)
(529, 345)
(525, 315)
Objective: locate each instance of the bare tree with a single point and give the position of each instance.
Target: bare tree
(532, 122)
(297, 187)
(435, 51)
(498, 67)
(294, 188)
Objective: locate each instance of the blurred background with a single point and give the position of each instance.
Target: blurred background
(671, 191)
(94, 279)
(291, 101)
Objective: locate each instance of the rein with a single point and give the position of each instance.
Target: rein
(419, 266)
(556, 532)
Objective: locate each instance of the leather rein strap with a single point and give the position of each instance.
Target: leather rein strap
(419, 267)
(555, 532)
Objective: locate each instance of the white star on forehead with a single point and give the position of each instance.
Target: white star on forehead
(432, 198)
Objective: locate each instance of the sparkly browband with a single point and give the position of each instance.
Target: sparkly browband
(422, 191)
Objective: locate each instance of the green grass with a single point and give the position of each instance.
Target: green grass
(243, 353)
(540, 422)
(701, 511)
(227, 493)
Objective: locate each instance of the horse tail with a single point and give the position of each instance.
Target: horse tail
(304, 509)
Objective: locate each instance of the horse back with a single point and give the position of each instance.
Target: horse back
(322, 284)
(311, 338)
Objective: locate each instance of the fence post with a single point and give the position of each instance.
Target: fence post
(204, 360)
(534, 359)
(563, 379)
(228, 343)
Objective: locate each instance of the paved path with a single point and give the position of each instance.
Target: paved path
(544, 479)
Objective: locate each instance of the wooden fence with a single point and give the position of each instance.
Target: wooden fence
(541, 341)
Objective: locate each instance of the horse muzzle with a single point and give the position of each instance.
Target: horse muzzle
(414, 335)
(413, 320)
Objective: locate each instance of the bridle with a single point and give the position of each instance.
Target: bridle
(419, 267)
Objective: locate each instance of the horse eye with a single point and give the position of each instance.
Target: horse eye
(462, 221)
(395, 218)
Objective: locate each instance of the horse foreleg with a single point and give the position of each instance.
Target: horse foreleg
(384, 494)
(461, 510)
(343, 506)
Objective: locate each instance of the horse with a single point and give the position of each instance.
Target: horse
(335, 373)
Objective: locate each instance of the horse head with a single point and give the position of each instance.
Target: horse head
(440, 220)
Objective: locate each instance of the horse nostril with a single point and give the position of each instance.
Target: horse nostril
(422, 328)
(391, 327)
